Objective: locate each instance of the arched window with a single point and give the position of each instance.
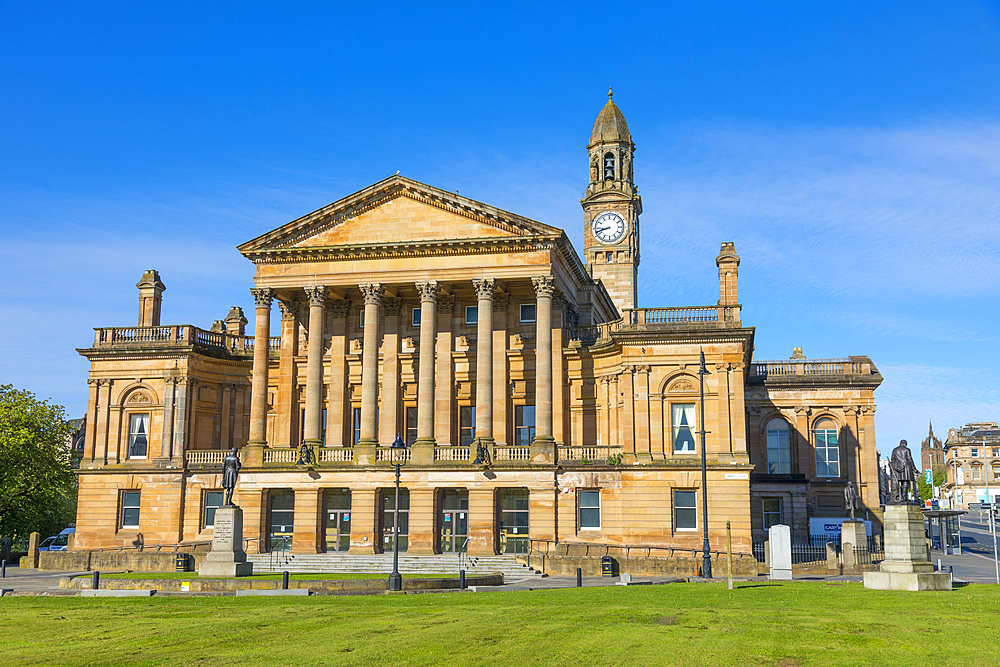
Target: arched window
(779, 450)
(827, 449)
(609, 167)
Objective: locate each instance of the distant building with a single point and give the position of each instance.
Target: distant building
(931, 452)
(972, 457)
(77, 438)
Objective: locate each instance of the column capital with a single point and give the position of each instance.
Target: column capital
(445, 304)
(316, 295)
(543, 285)
(484, 288)
(262, 296)
(428, 290)
(372, 293)
(287, 309)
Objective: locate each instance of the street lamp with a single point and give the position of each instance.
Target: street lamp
(706, 556)
(398, 455)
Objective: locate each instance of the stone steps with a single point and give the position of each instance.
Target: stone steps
(382, 564)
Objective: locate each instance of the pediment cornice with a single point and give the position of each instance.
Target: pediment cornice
(287, 236)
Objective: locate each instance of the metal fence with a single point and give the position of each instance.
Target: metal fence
(812, 553)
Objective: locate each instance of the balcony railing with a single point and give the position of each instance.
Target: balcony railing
(594, 454)
(281, 455)
(386, 454)
(461, 454)
(336, 454)
(178, 335)
(512, 453)
(803, 367)
(205, 458)
(643, 318)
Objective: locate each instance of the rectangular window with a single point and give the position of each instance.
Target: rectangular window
(682, 419)
(589, 502)
(779, 451)
(357, 424)
(976, 474)
(213, 501)
(411, 426)
(361, 319)
(466, 425)
(130, 509)
(996, 453)
(827, 453)
(471, 314)
(975, 452)
(527, 313)
(685, 510)
(415, 317)
(138, 436)
(996, 472)
(609, 257)
(524, 424)
(772, 512)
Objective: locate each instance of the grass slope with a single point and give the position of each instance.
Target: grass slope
(787, 624)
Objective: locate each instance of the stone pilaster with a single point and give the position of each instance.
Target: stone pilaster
(444, 396)
(336, 407)
(388, 421)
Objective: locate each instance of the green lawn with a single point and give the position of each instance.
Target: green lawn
(328, 576)
(787, 624)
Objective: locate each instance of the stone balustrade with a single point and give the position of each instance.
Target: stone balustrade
(593, 454)
(205, 458)
(183, 335)
(452, 454)
(811, 367)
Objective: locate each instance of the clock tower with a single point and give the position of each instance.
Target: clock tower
(611, 208)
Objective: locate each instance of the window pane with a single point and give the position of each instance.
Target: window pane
(138, 435)
(590, 518)
(130, 516)
(415, 317)
(590, 499)
(471, 314)
(682, 415)
(213, 501)
(685, 509)
(527, 312)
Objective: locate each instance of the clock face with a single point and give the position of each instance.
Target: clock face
(609, 227)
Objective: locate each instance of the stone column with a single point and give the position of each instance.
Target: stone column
(388, 421)
(444, 373)
(369, 364)
(425, 374)
(543, 446)
(364, 518)
(261, 358)
(482, 522)
(313, 427)
(422, 538)
(502, 423)
(307, 530)
(484, 362)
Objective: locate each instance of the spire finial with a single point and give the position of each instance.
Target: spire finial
(609, 93)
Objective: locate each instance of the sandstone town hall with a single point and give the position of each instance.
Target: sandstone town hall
(404, 309)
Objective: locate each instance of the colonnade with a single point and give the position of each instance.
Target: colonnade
(542, 447)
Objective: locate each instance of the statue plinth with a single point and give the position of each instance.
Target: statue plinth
(227, 557)
(907, 565)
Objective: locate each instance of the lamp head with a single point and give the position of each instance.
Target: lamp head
(398, 443)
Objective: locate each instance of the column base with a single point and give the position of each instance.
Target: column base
(422, 452)
(543, 450)
(253, 454)
(364, 451)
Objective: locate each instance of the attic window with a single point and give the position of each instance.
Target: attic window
(609, 167)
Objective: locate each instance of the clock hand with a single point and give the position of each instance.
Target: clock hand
(601, 230)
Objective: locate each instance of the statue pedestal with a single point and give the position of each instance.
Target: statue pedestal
(907, 566)
(227, 557)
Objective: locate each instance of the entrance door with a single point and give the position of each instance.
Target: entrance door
(281, 519)
(454, 520)
(513, 521)
(389, 515)
(338, 520)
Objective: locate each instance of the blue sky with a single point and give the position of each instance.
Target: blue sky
(851, 152)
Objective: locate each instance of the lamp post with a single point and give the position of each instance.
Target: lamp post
(398, 457)
(706, 556)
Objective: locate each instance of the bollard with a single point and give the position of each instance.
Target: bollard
(939, 565)
(97, 581)
(3, 569)
(579, 578)
(461, 579)
(284, 580)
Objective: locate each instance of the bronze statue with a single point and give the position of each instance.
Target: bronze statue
(306, 457)
(230, 470)
(851, 498)
(903, 476)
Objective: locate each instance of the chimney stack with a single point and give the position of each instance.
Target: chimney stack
(236, 322)
(150, 297)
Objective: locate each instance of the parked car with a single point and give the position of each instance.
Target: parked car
(57, 542)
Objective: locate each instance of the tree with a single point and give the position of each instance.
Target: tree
(927, 490)
(37, 484)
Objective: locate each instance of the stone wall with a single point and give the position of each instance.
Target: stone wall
(117, 561)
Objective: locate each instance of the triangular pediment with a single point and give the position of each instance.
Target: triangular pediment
(397, 210)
